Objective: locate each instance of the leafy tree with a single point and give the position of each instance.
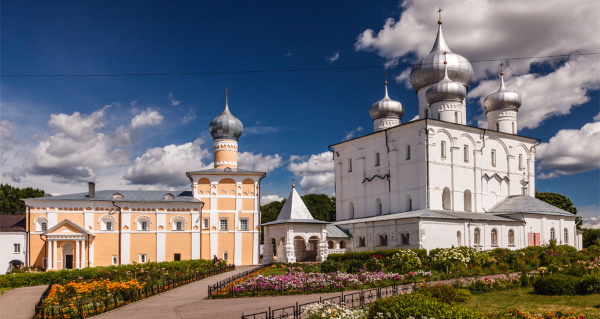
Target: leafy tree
(560, 201)
(591, 237)
(270, 211)
(321, 207)
(9, 198)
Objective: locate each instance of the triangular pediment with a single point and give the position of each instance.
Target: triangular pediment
(66, 227)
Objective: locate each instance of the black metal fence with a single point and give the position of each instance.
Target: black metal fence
(92, 307)
(225, 282)
(350, 300)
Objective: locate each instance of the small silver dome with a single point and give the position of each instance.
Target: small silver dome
(446, 90)
(226, 126)
(430, 69)
(502, 99)
(386, 107)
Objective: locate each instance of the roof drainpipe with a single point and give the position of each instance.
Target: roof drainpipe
(27, 230)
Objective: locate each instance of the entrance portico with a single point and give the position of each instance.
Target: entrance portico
(67, 246)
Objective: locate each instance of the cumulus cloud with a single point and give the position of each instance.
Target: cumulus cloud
(264, 200)
(333, 57)
(7, 139)
(166, 165)
(148, 117)
(597, 117)
(174, 102)
(570, 152)
(74, 150)
(590, 216)
(315, 172)
(258, 162)
(501, 30)
(353, 133)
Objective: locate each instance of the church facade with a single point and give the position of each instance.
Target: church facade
(219, 216)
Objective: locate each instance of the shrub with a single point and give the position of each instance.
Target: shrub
(374, 264)
(331, 310)
(405, 260)
(444, 293)
(419, 306)
(589, 284)
(354, 266)
(330, 266)
(555, 285)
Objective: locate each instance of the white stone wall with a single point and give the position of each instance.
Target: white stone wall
(7, 254)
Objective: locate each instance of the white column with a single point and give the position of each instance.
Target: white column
(78, 253)
(83, 254)
(55, 254)
(49, 258)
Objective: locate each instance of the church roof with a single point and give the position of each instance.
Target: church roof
(433, 214)
(127, 196)
(336, 232)
(294, 211)
(528, 205)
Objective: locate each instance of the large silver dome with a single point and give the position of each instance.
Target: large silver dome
(446, 90)
(430, 69)
(386, 107)
(502, 99)
(226, 126)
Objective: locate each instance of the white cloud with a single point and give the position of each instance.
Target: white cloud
(261, 130)
(189, 116)
(258, 162)
(333, 57)
(149, 117)
(501, 30)
(597, 117)
(174, 102)
(590, 216)
(353, 133)
(264, 200)
(7, 138)
(414, 118)
(167, 165)
(316, 172)
(570, 152)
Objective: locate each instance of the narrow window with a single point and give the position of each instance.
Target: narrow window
(477, 237)
(552, 234)
(17, 248)
(456, 117)
(426, 113)
(458, 239)
(330, 244)
(443, 149)
(225, 255)
(351, 209)
(342, 244)
(513, 127)
(466, 153)
(44, 226)
(377, 159)
(566, 236)
(223, 224)
(497, 126)
(494, 238)
(142, 258)
(205, 223)
(361, 242)
(109, 225)
(349, 165)
(511, 237)
(521, 162)
(144, 225)
(446, 199)
(178, 225)
(114, 260)
(410, 208)
(244, 224)
(405, 238)
(493, 158)
(177, 257)
(407, 152)
(379, 206)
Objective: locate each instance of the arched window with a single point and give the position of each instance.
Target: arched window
(330, 244)
(446, 199)
(407, 152)
(342, 244)
(409, 206)
(361, 241)
(467, 198)
(377, 159)
(493, 158)
(383, 240)
(405, 238)
(379, 206)
(552, 234)
(511, 237)
(566, 236)
(107, 223)
(494, 237)
(41, 224)
(143, 224)
(520, 161)
(351, 210)
(443, 149)
(178, 224)
(477, 237)
(456, 117)
(466, 153)
(458, 239)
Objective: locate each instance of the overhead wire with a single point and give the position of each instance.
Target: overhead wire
(279, 70)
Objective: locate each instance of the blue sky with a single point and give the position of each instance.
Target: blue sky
(144, 132)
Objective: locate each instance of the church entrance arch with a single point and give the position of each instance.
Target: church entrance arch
(67, 260)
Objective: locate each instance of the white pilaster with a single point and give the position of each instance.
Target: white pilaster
(160, 245)
(77, 253)
(49, 260)
(125, 248)
(55, 254)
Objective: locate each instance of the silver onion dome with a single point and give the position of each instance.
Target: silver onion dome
(226, 126)
(430, 69)
(446, 90)
(386, 107)
(502, 99)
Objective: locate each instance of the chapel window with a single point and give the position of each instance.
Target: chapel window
(349, 165)
(377, 159)
(511, 237)
(443, 149)
(494, 238)
(552, 234)
(477, 237)
(566, 236)
(407, 152)
(466, 153)
(493, 158)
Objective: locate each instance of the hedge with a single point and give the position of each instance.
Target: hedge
(366, 255)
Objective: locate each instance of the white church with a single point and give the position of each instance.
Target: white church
(431, 183)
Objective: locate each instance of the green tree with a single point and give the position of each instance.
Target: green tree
(9, 198)
(270, 211)
(591, 237)
(320, 206)
(560, 201)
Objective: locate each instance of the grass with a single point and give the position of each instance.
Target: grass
(523, 298)
(3, 290)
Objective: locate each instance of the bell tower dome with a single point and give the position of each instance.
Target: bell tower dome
(225, 130)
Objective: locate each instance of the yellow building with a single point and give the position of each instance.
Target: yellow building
(218, 217)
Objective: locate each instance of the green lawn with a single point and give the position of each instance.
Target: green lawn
(523, 298)
(3, 290)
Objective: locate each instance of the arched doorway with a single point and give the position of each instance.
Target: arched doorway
(15, 264)
(299, 248)
(67, 252)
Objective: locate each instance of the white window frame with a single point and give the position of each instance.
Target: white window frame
(41, 224)
(223, 221)
(143, 224)
(107, 224)
(245, 221)
(17, 248)
(205, 223)
(225, 255)
(178, 225)
(44, 226)
(142, 258)
(115, 260)
(466, 153)
(566, 236)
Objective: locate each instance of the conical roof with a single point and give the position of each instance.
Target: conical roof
(294, 208)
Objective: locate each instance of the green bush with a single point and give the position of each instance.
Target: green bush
(419, 306)
(330, 266)
(555, 285)
(374, 265)
(589, 284)
(444, 293)
(354, 266)
(366, 255)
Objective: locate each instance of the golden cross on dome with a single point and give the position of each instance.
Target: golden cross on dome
(226, 93)
(440, 15)
(385, 78)
(501, 68)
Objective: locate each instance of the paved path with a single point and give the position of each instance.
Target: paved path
(189, 302)
(19, 303)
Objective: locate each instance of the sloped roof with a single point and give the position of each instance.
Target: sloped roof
(432, 214)
(336, 232)
(528, 205)
(294, 211)
(128, 196)
(12, 223)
